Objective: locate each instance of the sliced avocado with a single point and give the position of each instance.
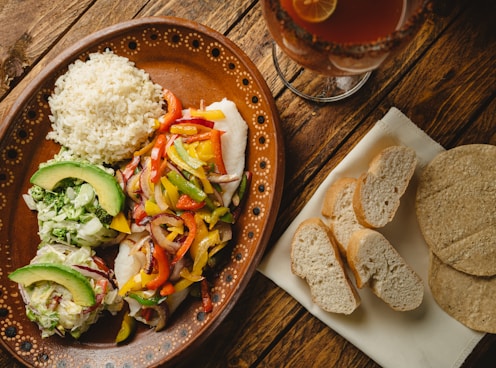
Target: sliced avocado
(72, 280)
(108, 190)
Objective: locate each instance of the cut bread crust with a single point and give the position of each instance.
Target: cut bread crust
(377, 264)
(316, 259)
(338, 209)
(467, 298)
(378, 192)
(455, 205)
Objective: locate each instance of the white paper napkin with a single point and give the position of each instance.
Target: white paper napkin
(426, 337)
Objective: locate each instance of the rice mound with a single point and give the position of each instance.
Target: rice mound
(104, 109)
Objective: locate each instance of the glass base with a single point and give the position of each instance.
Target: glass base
(312, 85)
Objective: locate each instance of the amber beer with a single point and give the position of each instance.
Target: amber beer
(354, 21)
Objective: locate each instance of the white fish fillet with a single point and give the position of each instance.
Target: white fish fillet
(234, 142)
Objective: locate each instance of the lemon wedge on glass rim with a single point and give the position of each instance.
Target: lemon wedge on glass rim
(314, 11)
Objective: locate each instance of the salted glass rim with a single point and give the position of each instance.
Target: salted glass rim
(382, 44)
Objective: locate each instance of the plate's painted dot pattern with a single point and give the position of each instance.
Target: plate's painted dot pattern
(14, 152)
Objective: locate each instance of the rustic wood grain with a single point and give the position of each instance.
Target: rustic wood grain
(445, 80)
(36, 26)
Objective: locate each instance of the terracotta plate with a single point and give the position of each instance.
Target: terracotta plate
(196, 63)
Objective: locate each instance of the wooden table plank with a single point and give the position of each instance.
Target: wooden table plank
(36, 26)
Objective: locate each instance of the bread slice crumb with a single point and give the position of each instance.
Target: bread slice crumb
(316, 259)
(378, 192)
(377, 264)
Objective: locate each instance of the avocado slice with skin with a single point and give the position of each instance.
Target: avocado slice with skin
(109, 193)
(78, 285)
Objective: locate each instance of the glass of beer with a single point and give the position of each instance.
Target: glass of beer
(325, 50)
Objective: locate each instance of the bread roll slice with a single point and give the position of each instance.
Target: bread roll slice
(338, 209)
(316, 259)
(376, 263)
(378, 192)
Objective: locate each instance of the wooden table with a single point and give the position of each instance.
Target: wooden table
(445, 81)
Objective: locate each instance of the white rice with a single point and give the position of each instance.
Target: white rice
(104, 109)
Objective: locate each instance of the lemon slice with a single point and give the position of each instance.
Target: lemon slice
(314, 10)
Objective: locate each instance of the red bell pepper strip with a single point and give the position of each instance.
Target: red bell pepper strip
(189, 221)
(156, 156)
(174, 111)
(167, 289)
(130, 168)
(198, 121)
(139, 213)
(205, 295)
(186, 203)
(197, 137)
(163, 264)
(217, 147)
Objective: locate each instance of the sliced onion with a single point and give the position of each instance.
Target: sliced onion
(120, 179)
(160, 198)
(225, 231)
(133, 187)
(90, 272)
(149, 249)
(159, 234)
(145, 180)
(227, 178)
(160, 321)
(176, 269)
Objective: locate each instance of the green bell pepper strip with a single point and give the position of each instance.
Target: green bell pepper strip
(190, 161)
(186, 187)
(147, 302)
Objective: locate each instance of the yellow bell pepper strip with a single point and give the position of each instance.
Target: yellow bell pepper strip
(216, 216)
(120, 223)
(133, 284)
(156, 156)
(127, 329)
(207, 114)
(182, 284)
(174, 111)
(217, 146)
(163, 264)
(187, 274)
(183, 153)
(205, 295)
(186, 203)
(186, 187)
(190, 223)
(146, 148)
(210, 240)
(179, 162)
(184, 129)
(152, 209)
(170, 191)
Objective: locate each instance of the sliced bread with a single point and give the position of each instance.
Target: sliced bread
(338, 209)
(316, 259)
(378, 192)
(375, 262)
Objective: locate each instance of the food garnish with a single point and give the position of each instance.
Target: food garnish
(314, 11)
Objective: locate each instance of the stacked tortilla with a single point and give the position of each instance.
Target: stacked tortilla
(456, 211)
